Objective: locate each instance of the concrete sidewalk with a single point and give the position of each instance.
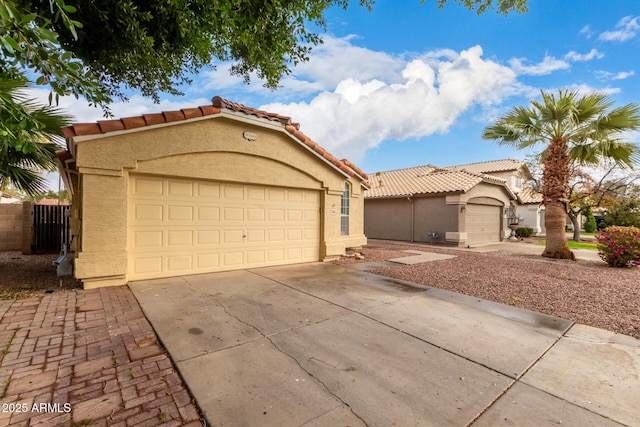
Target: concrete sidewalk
(321, 344)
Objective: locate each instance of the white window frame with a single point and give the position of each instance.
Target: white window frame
(344, 210)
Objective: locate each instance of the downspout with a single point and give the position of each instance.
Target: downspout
(413, 216)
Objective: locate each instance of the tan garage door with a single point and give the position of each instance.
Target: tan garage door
(179, 226)
(483, 224)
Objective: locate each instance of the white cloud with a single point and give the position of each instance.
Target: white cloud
(331, 62)
(586, 31)
(606, 75)
(548, 65)
(575, 56)
(626, 29)
(420, 99)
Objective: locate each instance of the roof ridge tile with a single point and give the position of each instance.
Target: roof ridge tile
(217, 105)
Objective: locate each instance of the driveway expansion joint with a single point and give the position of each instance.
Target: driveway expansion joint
(518, 378)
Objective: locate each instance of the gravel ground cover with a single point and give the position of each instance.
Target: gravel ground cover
(586, 292)
(25, 276)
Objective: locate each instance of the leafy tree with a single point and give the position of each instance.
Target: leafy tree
(625, 213)
(153, 46)
(604, 186)
(29, 44)
(573, 126)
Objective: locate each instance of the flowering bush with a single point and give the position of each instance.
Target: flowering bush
(620, 246)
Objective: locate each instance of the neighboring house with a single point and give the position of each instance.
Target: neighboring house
(9, 198)
(437, 205)
(214, 188)
(528, 208)
(530, 211)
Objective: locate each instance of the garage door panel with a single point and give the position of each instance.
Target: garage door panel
(276, 195)
(147, 265)
(275, 255)
(146, 212)
(180, 238)
(179, 188)
(256, 257)
(232, 236)
(148, 186)
(208, 213)
(232, 259)
(276, 236)
(148, 239)
(208, 237)
(208, 191)
(233, 192)
(255, 214)
(179, 263)
(276, 215)
(181, 226)
(256, 236)
(256, 194)
(207, 261)
(176, 213)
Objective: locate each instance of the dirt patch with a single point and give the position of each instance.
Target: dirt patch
(25, 276)
(586, 292)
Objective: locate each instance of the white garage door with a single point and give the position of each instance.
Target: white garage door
(179, 226)
(483, 224)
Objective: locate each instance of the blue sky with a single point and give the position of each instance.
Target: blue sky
(409, 84)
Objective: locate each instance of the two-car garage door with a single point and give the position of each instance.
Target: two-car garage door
(180, 226)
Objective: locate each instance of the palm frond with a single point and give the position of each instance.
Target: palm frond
(31, 134)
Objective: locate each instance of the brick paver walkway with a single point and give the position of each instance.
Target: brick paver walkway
(88, 357)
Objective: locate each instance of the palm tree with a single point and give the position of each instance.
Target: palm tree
(580, 128)
(29, 136)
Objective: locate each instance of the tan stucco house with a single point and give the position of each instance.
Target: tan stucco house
(213, 188)
(528, 209)
(437, 205)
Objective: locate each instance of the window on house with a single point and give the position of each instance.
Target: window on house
(344, 210)
(518, 182)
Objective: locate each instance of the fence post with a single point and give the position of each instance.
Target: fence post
(27, 227)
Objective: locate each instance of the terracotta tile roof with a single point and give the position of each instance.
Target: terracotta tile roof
(490, 166)
(528, 196)
(423, 180)
(218, 104)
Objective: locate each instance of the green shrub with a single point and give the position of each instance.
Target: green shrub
(590, 224)
(524, 232)
(620, 246)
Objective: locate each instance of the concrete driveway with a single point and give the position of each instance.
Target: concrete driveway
(327, 345)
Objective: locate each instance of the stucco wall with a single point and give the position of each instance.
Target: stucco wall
(388, 219)
(213, 148)
(434, 215)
